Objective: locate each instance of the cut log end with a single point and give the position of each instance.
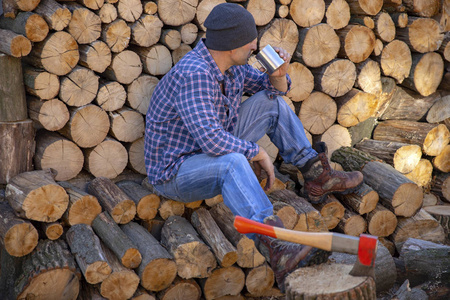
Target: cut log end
(407, 200)
(132, 258)
(194, 260)
(97, 272)
(147, 207)
(46, 204)
(21, 239)
(159, 274)
(120, 285)
(124, 212)
(84, 210)
(20, 46)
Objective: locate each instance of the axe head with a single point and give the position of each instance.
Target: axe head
(367, 252)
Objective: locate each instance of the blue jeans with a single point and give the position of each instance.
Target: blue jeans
(202, 176)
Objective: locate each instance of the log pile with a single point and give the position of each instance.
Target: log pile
(365, 80)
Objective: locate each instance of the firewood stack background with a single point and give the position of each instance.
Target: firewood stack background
(79, 220)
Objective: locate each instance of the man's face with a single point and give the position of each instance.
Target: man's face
(241, 55)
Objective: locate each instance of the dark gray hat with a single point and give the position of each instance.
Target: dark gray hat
(229, 26)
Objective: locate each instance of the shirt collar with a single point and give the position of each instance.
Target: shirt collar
(203, 52)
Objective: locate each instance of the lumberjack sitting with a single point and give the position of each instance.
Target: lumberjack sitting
(200, 138)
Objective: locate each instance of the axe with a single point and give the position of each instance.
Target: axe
(365, 246)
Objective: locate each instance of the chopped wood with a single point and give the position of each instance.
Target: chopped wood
(31, 25)
(171, 38)
(189, 32)
(13, 105)
(136, 156)
(222, 282)
(51, 262)
(116, 35)
(57, 54)
(146, 31)
(307, 13)
(368, 76)
(122, 283)
(335, 137)
(111, 95)
(14, 44)
(127, 125)
(338, 284)
(87, 250)
(154, 226)
(363, 20)
(125, 67)
(40, 83)
(286, 213)
(117, 241)
(140, 91)
(95, 56)
(431, 137)
(147, 203)
(107, 159)
(362, 201)
(79, 87)
(51, 230)
(36, 196)
(317, 45)
(331, 210)
(87, 127)
(335, 78)
(225, 252)
(442, 160)
(385, 27)
(441, 185)
(424, 8)
(181, 289)
(193, 257)
(89, 291)
(85, 25)
(400, 19)
(17, 236)
(143, 294)
(263, 11)
(113, 200)
(150, 7)
(337, 13)
(422, 34)
(425, 260)
(248, 256)
(302, 82)
(170, 207)
(156, 60)
(107, 13)
(440, 111)
(422, 173)
(318, 112)
(355, 107)
(381, 221)
(352, 224)
(357, 42)
(430, 199)
(442, 214)
(50, 114)
(259, 280)
(175, 15)
(56, 15)
(281, 33)
(396, 60)
(130, 10)
(378, 48)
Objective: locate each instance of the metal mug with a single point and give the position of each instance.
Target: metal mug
(269, 59)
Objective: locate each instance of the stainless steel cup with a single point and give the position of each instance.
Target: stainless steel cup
(269, 59)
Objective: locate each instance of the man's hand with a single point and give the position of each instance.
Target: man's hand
(262, 161)
(278, 78)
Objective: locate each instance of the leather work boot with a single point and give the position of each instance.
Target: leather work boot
(321, 179)
(285, 257)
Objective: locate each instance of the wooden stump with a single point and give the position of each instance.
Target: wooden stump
(18, 237)
(193, 257)
(59, 153)
(87, 250)
(36, 196)
(49, 272)
(225, 252)
(113, 200)
(116, 240)
(328, 280)
(157, 269)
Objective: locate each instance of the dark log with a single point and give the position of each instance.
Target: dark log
(13, 105)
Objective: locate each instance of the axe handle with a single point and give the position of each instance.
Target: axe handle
(329, 241)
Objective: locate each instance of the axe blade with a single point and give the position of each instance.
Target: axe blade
(365, 261)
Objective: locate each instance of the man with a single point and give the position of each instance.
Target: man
(200, 138)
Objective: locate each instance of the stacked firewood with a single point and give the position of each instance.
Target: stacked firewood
(369, 77)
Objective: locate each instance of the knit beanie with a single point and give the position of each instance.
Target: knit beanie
(229, 26)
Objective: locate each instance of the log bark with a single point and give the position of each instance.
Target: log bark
(248, 256)
(425, 261)
(87, 250)
(352, 224)
(193, 257)
(302, 82)
(116, 240)
(440, 184)
(431, 137)
(335, 78)
(222, 282)
(428, 8)
(422, 34)
(136, 156)
(40, 83)
(307, 13)
(225, 252)
(396, 60)
(95, 56)
(357, 42)
(122, 283)
(158, 268)
(439, 111)
(426, 73)
(83, 208)
(341, 286)
(18, 138)
(318, 45)
(79, 87)
(147, 203)
(140, 91)
(146, 31)
(13, 105)
(13, 44)
(337, 13)
(85, 25)
(362, 201)
(381, 221)
(355, 107)
(55, 14)
(107, 159)
(17, 236)
(111, 95)
(50, 262)
(57, 54)
(113, 200)
(420, 226)
(125, 67)
(318, 112)
(309, 217)
(35, 195)
(442, 214)
(31, 25)
(51, 115)
(442, 161)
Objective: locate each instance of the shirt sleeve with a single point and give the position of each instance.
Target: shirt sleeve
(256, 81)
(195, 105)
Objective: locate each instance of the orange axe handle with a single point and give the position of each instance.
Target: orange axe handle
(364, 246)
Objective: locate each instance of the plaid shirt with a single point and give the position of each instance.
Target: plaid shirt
(188, 114)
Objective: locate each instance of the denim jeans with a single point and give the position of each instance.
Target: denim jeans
(203, 176)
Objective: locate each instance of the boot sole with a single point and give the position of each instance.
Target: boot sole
(321, 199)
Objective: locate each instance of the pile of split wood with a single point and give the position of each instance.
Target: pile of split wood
(369, 77)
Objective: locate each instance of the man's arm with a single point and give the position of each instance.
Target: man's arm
(278, 78)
